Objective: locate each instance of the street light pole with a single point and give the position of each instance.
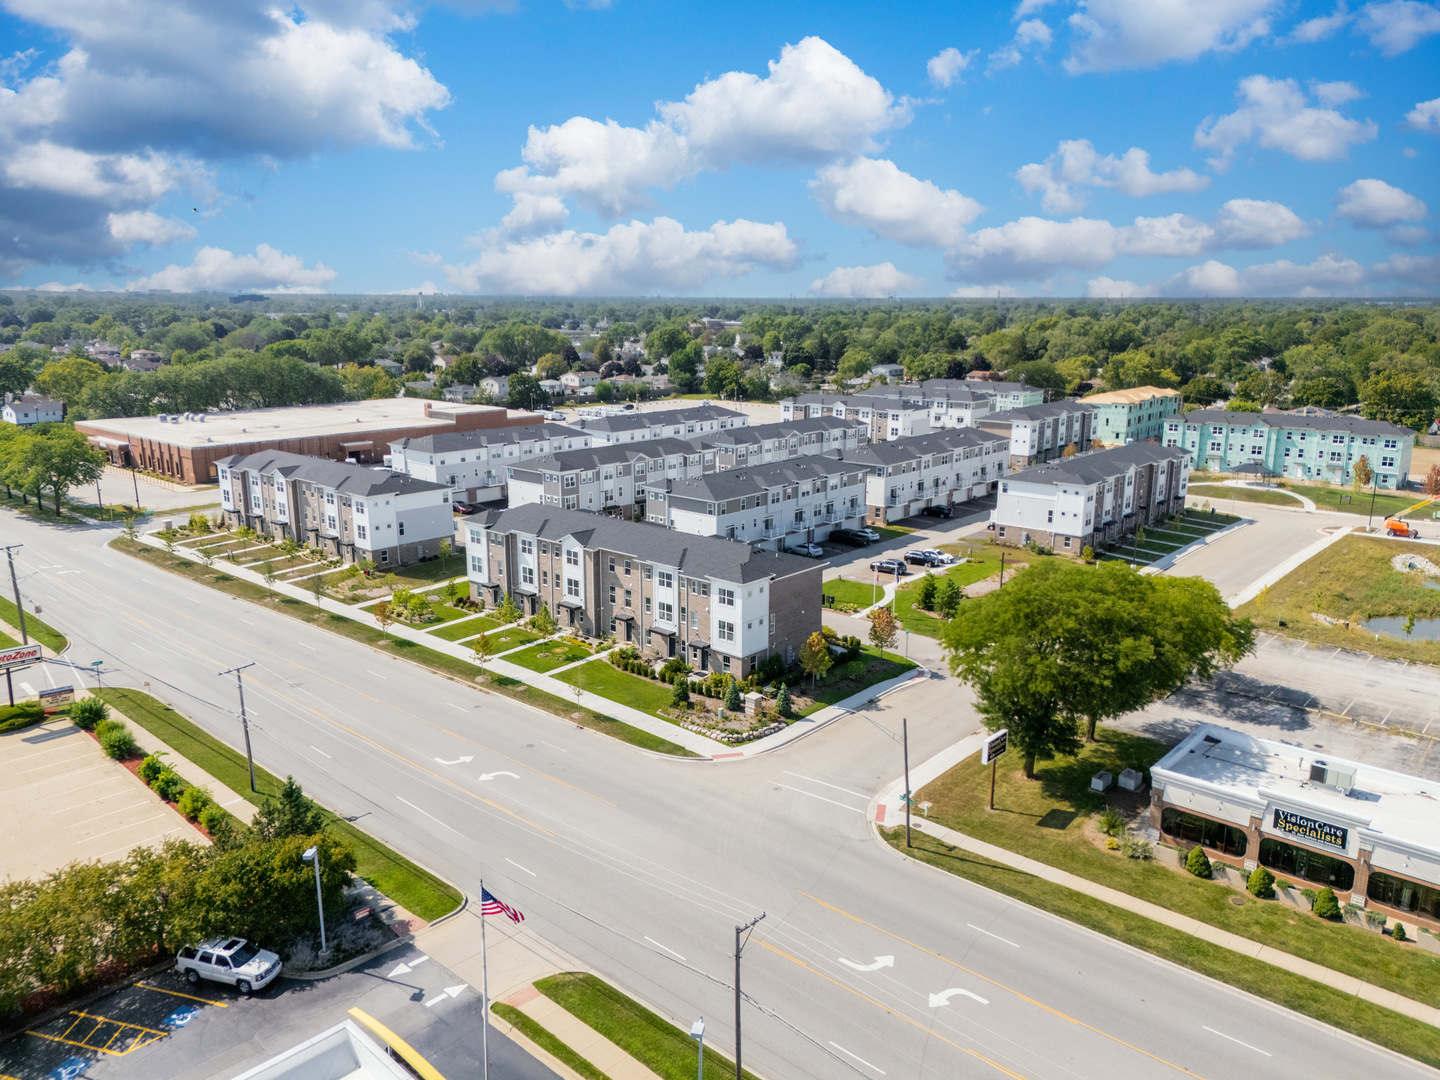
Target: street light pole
(739, 948)
(244, 720)
(312, 855)
(697, 1032)
(15, 584)
(905, 749)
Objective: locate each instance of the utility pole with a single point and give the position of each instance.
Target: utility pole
(244, 721)
(1002, 570)
(15, 584)
(905, 745)
(739, 948)
(1374, 489)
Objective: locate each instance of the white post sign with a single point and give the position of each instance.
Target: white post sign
(995, 745)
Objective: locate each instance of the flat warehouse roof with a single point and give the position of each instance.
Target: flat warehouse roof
(295, 422)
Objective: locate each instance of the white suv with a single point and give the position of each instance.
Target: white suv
(228, 960)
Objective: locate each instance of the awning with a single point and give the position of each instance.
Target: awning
(1254, 468)
(662, 631)
(625, 618)
(118, 444)
(572, 603)
(361, 442)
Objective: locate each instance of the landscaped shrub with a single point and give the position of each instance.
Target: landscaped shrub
(168, 784)
(1326, 905)
(853, 670)
(193, 801)
(681, 696)
(212, 816)
(1133, 848)
(1198, 863)
(1110, 821)
(87, 712)
(782, 701)
(15, 717)
(732, 696)
(116, 740)
(1397, 932)
(150, 768)
(925, 593)
(1262, 883)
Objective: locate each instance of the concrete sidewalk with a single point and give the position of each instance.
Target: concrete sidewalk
(888, 809)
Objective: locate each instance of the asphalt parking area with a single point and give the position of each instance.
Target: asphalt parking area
(122, 1024)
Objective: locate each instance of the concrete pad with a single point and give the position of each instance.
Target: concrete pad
(56, 783)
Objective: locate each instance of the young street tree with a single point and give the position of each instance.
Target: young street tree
(1066, 644)
(883, 628)
(815, 659)
(1363, 473)
(383, 616)
(483, 647)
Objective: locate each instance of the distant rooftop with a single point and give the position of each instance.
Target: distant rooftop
(1134, 396)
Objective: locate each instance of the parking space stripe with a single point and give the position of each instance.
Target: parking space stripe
(177, 993)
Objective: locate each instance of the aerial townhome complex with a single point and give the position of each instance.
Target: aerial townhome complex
(473, 464)
(904, 476)
(603, 479)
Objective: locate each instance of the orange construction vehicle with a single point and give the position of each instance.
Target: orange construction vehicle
(1397, 526)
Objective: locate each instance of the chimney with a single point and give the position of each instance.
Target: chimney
(427, 410)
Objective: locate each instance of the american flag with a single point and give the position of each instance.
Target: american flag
(490, 906)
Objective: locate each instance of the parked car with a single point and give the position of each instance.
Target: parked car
(463, 508)
(939, 511)
(812, 551)
(940, 557)
(870, 534)
(921, 558)
(228, 960)
(851, 537)
(890, 566)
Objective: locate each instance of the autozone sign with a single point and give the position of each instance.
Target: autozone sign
(20, 656)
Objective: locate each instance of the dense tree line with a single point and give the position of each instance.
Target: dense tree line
(46, 458)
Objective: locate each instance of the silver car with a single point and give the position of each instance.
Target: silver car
(814, 551)
(228, 960)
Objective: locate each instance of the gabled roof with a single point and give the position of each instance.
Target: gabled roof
(1039, 412)
(451, 441)
(782, 429)
(914, 447)
(694, 556)
(731, 483)
(1097, 466)
(1355, 425)
(340, 476)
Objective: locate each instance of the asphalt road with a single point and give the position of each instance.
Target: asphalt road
(642, 866)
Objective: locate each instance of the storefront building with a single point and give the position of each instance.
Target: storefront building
(1370, 834)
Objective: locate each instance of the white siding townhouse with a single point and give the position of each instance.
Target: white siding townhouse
(764, 443)
(1038, 433)
(720, 605)
(353, 511)
(29, 409)
(631, 427)
(903, 476)
(474, 464)
(1309, 445)
(776, 505)
(895, 412)
(603, 479)
(1091, 499)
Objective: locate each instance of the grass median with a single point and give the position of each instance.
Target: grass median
(415, 889)
(39, 631)
(1220, 493)
(541, 1037)
(1374, 1023)
(663, 1048)
(442, 663)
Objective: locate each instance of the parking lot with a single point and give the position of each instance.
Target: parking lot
(164, 1027)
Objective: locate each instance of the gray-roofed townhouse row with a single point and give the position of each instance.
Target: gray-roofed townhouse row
(687, 423)
(352, 511)
(1300, 445)
(1038, 433)
(764, 443)
(718, 604)
(906, 409)
(904, 476)
(1091, 499)
(473, 464)
(605, 479)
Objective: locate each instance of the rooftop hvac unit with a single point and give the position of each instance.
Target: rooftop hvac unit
(1341, 778)
(164, 419)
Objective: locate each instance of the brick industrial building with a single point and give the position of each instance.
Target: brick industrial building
(186, 447)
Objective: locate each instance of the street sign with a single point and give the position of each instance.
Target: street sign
(20, 656)
(59, 695)
(995, 745)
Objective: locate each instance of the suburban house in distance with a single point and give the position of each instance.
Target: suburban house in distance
(1038, 433)
(29, 409)
(473, 464)
(776, 505)
(1299, 445)
(1091, 499)
(1123, 416)
(351, 511)
(631, 427)
(718, 604)
(1370, 834)
(603, 479)
(187, 446)
(904, 476)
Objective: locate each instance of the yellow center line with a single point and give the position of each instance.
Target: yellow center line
(892, 1012)
(177, 993)
(1001, 986)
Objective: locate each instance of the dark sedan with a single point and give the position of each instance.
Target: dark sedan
(890, 566)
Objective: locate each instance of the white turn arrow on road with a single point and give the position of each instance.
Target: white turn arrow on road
(457, 761)
(492, 775)
(880, 962)
(451, 991)
(943, 998)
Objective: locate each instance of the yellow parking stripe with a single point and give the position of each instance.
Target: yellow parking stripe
(177, 993)
(122, 1027)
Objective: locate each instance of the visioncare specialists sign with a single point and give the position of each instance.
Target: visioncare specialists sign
(1310, 828)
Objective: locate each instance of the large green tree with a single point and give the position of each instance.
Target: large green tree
(54, 458)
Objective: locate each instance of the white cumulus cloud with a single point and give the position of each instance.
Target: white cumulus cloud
(635, 257)
(1399, 25)
(1240, 223)
(947, 66)
(1425, 117)
(1028, 33)
(1032, 247)
(1077, 164)
(268, 270)
(1376, 204)
(865, 282)
(877, 195)
(1113, 34)
(1109, 288)
(1276, 114)
(148, 227)
(1321, 26)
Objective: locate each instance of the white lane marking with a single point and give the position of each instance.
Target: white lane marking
(837, 787)
(554, 747)
(400, 969)
(832, 802)
(29, 690)
(987, 933)
(667, 948)
(517, 866)
(880, 962)
(375, 673)
(457, 761)
(247, 622)
(492, 775)
(139, 646)
(943, 998)
(1235, 1040)
(310, 647)
(454, 706)
(431, 816)
(858, 1058)
(322, 753)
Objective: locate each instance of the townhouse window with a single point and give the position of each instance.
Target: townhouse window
(360, 532)
(527, 576)
(725, 631)
(647, 573)
(704, 588)
(1392, 444)
(544, 548)
(694, 619)
(572, 588)
(544, 577)
(384, 555)
(666, 612)
(647, 605)
(572, 557)
(627, 599)
(627, 568)
(725, 660)
(496, 539)
(527, 547)
(477, 564)
(329, 498)
(1387, 462)
(612, 564)
(360, 508)
(612, 594)
(726, 597)
(1049, 516)
(399, 525)
(664, 579)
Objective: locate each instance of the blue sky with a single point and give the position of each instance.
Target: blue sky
(1091, 147)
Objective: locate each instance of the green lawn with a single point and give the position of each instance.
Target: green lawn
(860, 593)
(462, 628)
(833, 688)
(1413, 1038)
(1046, 818)
(1353, 580)
(38, 630)
(512, 637)
(1330, 498)
(408, 885)
(663, 1048)
(979, 566)
(1218, 493)
(549, 655)
(603, 678)
(542, 1038)
(441, 663)
(890, 532)
(6, 641)
(1207, 522)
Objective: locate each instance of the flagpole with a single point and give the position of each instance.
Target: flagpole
(484, 990)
